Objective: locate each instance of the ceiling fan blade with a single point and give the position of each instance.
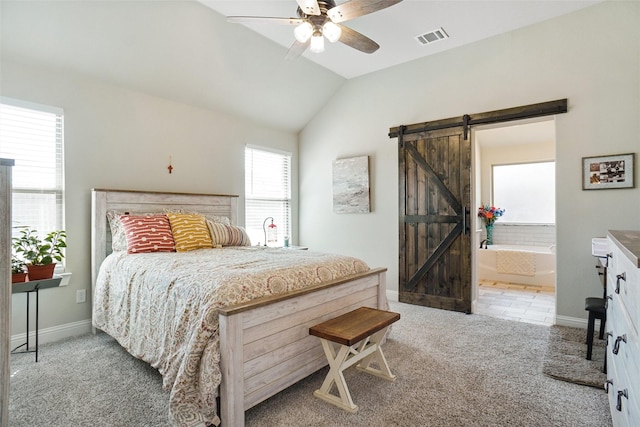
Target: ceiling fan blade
(264, 20)
(309, 7)
(355, 8)
(296, 50)
(357, 41)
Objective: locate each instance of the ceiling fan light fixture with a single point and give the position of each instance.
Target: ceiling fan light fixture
(317, 42)
(303, 31)
(331, 31)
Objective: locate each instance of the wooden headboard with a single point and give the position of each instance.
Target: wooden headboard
(133, 202)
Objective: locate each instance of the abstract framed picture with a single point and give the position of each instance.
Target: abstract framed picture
(606, 172)
(351, 185)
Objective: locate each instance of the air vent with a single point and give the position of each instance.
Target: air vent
(432, 36)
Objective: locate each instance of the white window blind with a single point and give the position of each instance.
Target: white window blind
(32, 135)
(267, 192)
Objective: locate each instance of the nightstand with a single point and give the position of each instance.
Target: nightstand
(28, 287)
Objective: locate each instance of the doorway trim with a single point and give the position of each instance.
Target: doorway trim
(480, 178)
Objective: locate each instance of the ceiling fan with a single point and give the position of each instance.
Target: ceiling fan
(318, 19)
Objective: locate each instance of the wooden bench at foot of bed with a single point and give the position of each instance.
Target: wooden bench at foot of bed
(354, 337)
(266, 347)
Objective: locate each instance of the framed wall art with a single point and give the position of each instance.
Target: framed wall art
(605, 172)
(351, 185)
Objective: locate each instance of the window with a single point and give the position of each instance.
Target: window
(527, 191)
(32, 134)
(267, 183)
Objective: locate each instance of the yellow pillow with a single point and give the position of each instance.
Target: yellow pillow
(190, 231)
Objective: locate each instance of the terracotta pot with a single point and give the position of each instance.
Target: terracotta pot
(18, 277)
(40, 272)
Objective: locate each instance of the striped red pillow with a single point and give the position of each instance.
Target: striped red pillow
(148, 233)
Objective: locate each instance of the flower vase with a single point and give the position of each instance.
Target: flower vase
(489, 234)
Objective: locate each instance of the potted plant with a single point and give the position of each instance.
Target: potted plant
(18, 273)
(40, 255)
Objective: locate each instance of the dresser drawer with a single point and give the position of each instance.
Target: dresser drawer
(623, 279)
(623, 393)
(630, 294)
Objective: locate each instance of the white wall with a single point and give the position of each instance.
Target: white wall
(120, 139)
(568, 57)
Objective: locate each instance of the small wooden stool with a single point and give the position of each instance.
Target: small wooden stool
(348, 339)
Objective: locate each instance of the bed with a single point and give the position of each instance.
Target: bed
(262, 345)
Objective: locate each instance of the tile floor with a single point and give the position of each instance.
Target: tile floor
(522, 303)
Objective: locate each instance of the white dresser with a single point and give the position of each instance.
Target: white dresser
(623, 324)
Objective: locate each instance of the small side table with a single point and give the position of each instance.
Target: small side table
(28, 288)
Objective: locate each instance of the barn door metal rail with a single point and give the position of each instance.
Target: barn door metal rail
(516, 113)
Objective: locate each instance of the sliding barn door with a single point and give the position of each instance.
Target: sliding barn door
(435, 196)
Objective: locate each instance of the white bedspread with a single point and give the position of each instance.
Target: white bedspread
(162, 308)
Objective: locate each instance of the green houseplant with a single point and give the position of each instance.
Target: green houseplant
(18, 272)
(40, 255)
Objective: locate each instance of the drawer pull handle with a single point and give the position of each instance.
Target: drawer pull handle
(609, 334)
(607, 385)
(621, 393)
(616, 345)
(606, 301)
(621, 276)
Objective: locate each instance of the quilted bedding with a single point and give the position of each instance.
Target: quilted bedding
(162, 308)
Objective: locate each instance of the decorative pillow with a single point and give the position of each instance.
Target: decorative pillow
(118, 239)
(228, 235)
(189, 231)
(147, 233)
(218, 219)
(212, 218)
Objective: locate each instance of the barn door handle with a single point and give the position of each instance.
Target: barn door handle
(465, 229)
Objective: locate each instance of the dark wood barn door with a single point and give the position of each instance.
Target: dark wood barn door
(435, 196)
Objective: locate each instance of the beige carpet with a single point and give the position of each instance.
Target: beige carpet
(565, 357)
(452, 370)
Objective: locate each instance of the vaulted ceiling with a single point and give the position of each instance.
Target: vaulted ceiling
(186, 50)
(396, 28)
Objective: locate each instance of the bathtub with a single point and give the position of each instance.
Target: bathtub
(544, 258)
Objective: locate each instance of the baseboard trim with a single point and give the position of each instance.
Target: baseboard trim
(393, 295)
(54, 333)
(574, 322)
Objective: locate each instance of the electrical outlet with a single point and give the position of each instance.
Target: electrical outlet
(81, 296)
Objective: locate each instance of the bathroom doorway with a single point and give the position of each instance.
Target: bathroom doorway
(514, 278)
